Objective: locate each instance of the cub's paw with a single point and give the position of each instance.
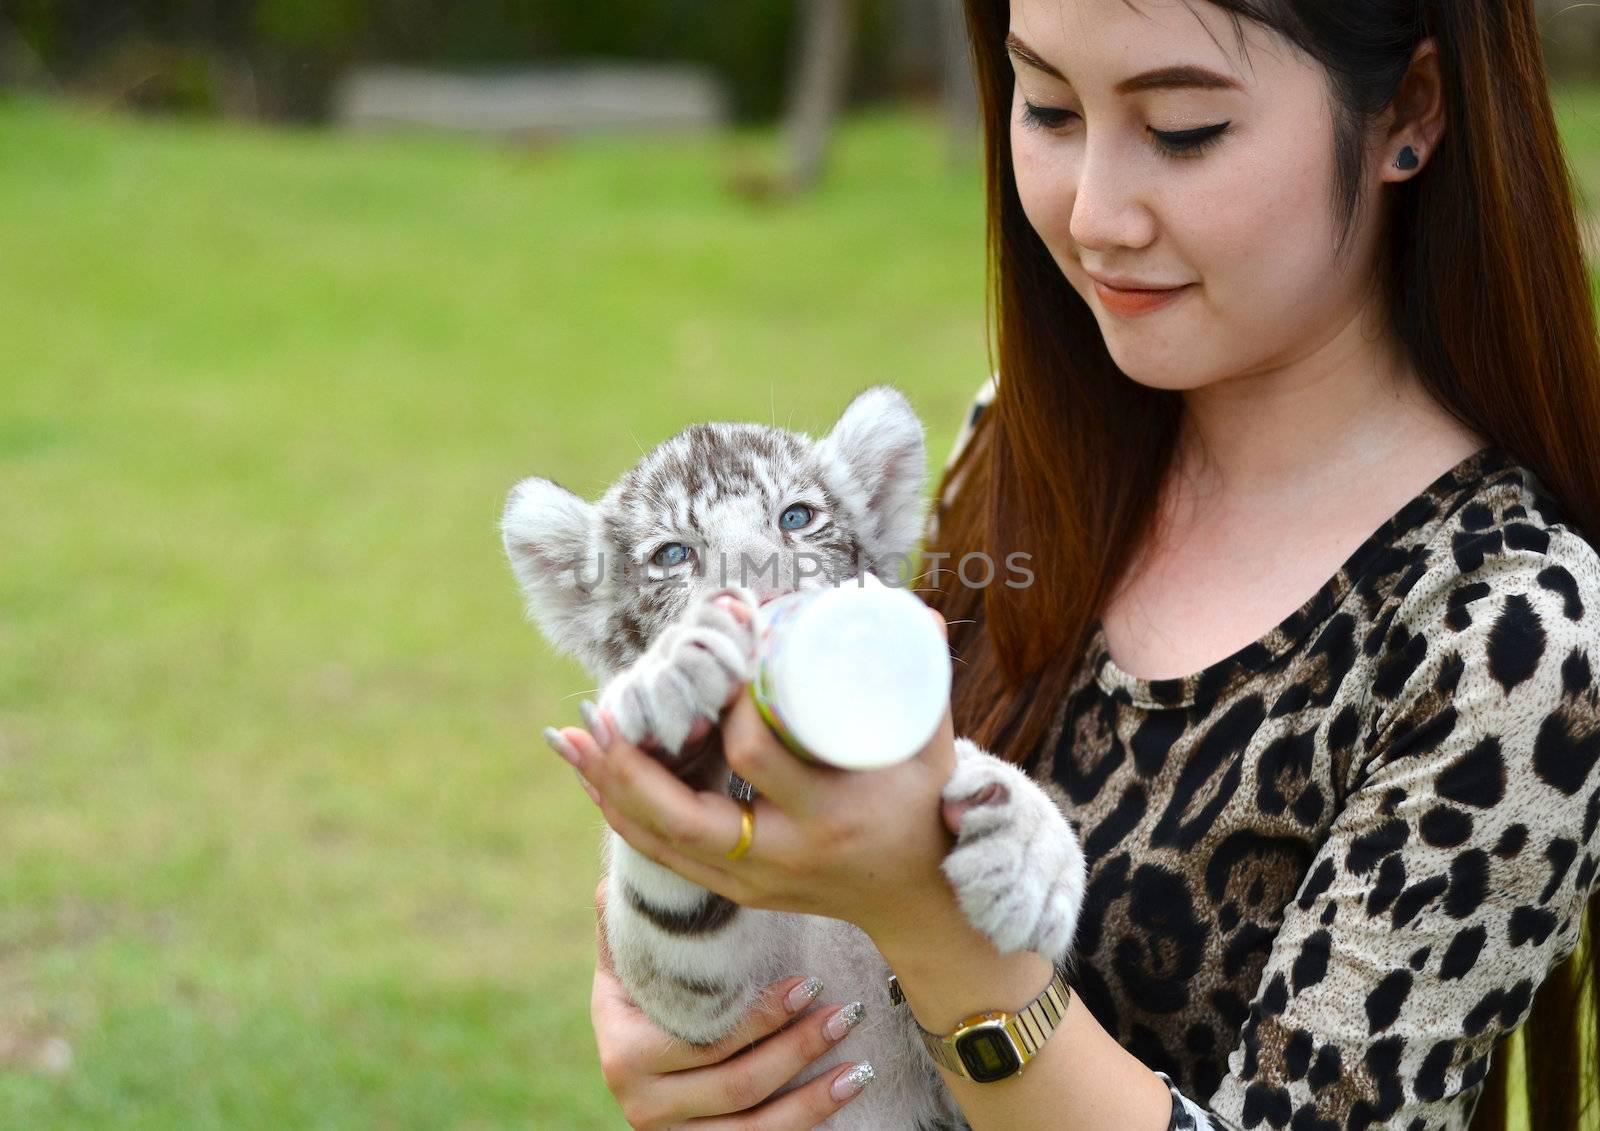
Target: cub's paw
(1017, 869)
(676, 691)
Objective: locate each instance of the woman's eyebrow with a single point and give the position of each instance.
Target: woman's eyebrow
(1186, 76)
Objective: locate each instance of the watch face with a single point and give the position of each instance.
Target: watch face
(988, 1054)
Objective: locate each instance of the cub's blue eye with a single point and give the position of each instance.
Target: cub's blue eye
(795, 517)
(673, 553)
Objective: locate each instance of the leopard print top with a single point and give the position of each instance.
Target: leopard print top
(1328, 872)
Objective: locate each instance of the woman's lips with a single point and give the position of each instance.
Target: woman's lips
(1130, 304)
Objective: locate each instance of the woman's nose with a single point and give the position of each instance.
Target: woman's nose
(1110, 207)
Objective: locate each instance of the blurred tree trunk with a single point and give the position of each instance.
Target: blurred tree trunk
(827, 32)
(8, 49)
(21, 66)
(957, 85)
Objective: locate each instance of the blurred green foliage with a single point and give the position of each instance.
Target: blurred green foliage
(310, 25)
(296, 48)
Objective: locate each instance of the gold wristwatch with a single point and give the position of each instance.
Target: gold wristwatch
(988, 1047)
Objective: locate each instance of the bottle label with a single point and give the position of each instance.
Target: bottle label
(774, 720)
(763, 689)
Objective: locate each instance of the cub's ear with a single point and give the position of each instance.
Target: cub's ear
(875, 461)
(550, 535)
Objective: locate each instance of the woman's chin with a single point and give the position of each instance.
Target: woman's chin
(1153, 369)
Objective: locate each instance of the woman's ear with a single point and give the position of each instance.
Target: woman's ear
(1416, 119)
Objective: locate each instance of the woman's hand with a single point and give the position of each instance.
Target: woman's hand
(860, 845)
(661, 1082)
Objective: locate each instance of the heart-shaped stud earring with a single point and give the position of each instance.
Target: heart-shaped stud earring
(1407, 159)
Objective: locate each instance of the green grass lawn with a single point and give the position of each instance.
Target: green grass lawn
(282, 846)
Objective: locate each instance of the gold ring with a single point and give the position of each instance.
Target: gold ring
(747, 830)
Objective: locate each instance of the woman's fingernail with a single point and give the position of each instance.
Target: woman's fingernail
(597, 725)
(803, 995)
(848, 1084)
(594, 794)
(847, 1018)
(561, 746)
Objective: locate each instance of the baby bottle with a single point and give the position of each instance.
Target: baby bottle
(855, 675)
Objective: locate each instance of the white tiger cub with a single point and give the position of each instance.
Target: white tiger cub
(626, 585)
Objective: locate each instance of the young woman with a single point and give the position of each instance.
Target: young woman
(1298, 414)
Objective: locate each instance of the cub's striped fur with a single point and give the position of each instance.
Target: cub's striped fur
(627, 586)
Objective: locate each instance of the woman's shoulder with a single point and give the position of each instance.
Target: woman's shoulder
(980, 401)
(1491, 636)
(1502, 540)
(969, 420)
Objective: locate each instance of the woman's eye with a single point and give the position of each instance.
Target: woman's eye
(1175, 143)
(673, 553)
(1188, 143)
(1045, 117)
(795, 517)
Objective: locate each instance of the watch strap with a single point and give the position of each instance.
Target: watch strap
(1028, 1028)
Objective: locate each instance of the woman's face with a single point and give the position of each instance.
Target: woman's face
(1221, 186)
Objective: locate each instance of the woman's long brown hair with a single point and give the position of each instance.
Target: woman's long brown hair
(1488, 289)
